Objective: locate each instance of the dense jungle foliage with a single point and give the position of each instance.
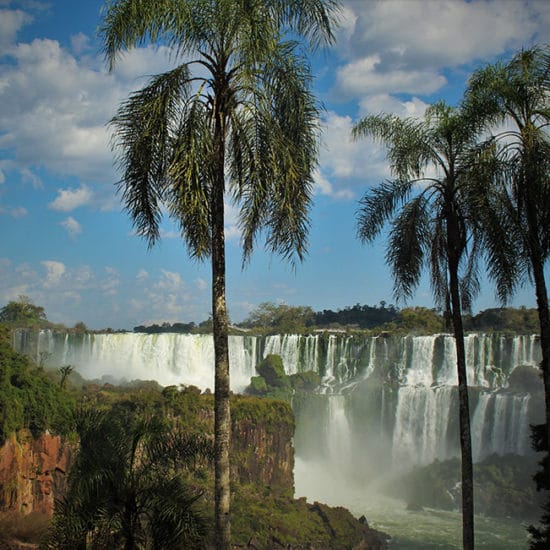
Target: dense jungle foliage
(30, 397)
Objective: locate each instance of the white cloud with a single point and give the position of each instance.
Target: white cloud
(446, 32)
(142, 276)
(232, 230)
(325, 187)
(201, 284)
(71, 226)
(170, 280)
(17, 212)
(366, 76)
(54, 106)
(80, 43)
(70, 199)
(11, 22)
(28, 176)
(344, 162)
(407, 46)
(386, 103)
(54, 273)
(111, 283)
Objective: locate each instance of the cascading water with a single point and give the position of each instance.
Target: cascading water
(386, 404)
(397, 394)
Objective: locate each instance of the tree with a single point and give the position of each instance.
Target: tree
(280, 318)
(64, 373)
(23, 313)
(126, 488)
(430, 225)
(245, 121)
(514, 195)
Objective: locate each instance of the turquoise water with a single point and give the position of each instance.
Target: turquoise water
(436, 529)
(409, 530)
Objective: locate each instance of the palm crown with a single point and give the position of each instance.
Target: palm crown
(251, 87)
(431, 160)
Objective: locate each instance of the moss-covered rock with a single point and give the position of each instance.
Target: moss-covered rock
(273, 372)
(503, 487)
(270, 522)
(257, 386)
(305, 381)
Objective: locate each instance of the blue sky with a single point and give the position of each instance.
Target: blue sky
(66, 242)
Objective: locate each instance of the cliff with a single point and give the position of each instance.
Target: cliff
(264, 513)
(32, 472)
(262, 443)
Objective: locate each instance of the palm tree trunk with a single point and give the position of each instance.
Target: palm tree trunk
(463, 399)
(222, 413)
(544, 320)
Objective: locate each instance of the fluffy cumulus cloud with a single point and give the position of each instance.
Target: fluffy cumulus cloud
(168, 298)
(83, 293)
(405, 46)
(11, 22)
(346, 164)
(69, 199)
(71, 226)
(54, 273)
(55, 102)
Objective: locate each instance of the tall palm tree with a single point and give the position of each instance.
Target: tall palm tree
(514, 99)
(237, 114)
(430, 224)
(126, 489)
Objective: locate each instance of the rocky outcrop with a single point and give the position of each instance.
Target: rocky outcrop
(263, 456)
(33, 472)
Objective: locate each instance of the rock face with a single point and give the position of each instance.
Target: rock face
(33, 476)
(32, 472)
(263, 455)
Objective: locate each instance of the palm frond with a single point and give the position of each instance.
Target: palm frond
(378, 206)
(143, 142)
(409, 142)
(130, 23)
(191, 175)
(407, 246)
(438, 262)
(273, 156)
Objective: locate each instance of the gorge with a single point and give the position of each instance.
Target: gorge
(387, 403)
(389, 393)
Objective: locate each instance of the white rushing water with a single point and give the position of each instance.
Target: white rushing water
(394, 394)
(388, 404)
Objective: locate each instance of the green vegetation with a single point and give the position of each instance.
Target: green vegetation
(273, 382)
(279, 318)
(127, 488)
(29, 398)
(23, 314)
(269, 318)
(280, 522)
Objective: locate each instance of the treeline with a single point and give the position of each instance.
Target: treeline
(282, 318)
(269, 317)
(180, 328)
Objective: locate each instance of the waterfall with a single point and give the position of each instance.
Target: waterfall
(386, 399)
(421, 426)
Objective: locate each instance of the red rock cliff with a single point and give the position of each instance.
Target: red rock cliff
(32, 472)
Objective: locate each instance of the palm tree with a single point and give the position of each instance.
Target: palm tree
(126, 489)
(245, 121)
(515, 202)
(430, 225)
